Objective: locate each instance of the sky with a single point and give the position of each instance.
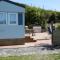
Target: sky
(46, 4)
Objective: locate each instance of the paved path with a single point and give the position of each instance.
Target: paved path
(40, 36)
(28, 51)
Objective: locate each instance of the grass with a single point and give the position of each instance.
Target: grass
(33, 57)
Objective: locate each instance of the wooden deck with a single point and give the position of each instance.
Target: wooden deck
(7, 42)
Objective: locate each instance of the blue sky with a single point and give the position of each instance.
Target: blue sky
(48, 4)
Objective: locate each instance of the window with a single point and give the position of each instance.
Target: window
(12, 18)
(2, 18)
(20, 18)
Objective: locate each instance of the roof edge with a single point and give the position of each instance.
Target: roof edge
(15, 3)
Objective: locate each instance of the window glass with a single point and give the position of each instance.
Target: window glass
(2, 18)
(13, 18)
(8, 18)
(20, 19)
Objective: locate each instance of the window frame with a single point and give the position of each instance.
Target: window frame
(9, 18)
(6, 17)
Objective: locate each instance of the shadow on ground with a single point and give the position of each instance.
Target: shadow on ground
(48, 47)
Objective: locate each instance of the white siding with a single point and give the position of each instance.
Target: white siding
(8, 7)
(12, 31)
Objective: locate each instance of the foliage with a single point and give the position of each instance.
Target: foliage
(38, 16)
(35, 16)
(32, 15)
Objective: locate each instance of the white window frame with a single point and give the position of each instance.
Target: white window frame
(6, 18)
(16, 19)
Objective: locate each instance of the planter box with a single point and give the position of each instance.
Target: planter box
(56, 37)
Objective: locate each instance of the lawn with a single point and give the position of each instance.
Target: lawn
(33, 57)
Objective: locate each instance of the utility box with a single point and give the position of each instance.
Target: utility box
(37, 29)
(56, 37)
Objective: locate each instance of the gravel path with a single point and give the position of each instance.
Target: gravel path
(27, 51)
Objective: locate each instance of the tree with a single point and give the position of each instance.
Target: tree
(38, 16)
